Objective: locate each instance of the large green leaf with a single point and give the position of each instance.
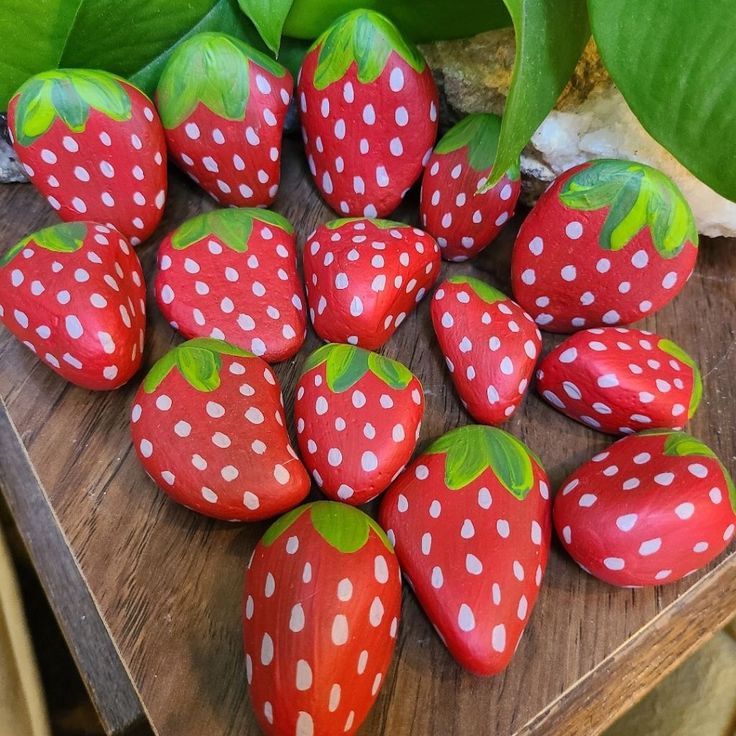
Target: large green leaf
(268, 17)
(132, 38)
(550, 36)
(673, 61)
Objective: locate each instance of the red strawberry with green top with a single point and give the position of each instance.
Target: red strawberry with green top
(357, 416)
(464, 220)
(208, 426)
(93, 145)
(470, 519)
(609, 243)
(74, 295)
(621, 380)
(223, 106)
(322, 607)
(651, 509)
(232, 274)
(364, 276)
(490, 346)
(369, 114)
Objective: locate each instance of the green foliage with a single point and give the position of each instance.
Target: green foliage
(485, 291)
(677, 352)
(268, 17)
(63, 238)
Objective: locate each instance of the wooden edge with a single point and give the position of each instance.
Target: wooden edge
(102, 671)
(631, 671)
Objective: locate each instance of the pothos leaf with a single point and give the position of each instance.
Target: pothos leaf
(637, 196)
(472, 449)
(365, 38)
(485, 291)
(677, 352)
(63, 238)
(268, 17)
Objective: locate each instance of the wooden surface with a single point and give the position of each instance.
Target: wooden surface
(168, 583)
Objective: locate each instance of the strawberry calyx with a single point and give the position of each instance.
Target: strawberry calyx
(364, 38)
(231, 226)
(485, 291)
(211, 69)
(63, 238)
(475, 448)
(382, 224)
(637, 196)
(69, 95)
(677, 352)
(342, 526)
(199, 361)
(345, 365)
(478, 132)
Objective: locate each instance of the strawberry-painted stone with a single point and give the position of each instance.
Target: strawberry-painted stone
(93, 145)
(621, 380)
(232, 275)
(470, 519)
(364, 276)
(322, 607)
(208, 427)
(368, 107)
(651, 509)
(223, 105)
(490, 346)
(463, 219)
(610, 242)
(358, 416)
(74, 294)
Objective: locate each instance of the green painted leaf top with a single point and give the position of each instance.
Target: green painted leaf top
(232, 227)
(485, 291)
(345, 365)
(66, 237)
(375, 221)
(478, 133)
(637, 197)
(342, 526)
(473, 449)
(211, 69)
(67, 95)
(364, 38)
(199, 361)
(677, 352)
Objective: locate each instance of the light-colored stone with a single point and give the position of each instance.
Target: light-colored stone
(10, 169)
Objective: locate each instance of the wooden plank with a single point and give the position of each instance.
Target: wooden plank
(168, 583)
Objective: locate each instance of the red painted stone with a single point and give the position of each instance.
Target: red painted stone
(609, 243)
(363, 277)
(232, 275)
(490, 346)
(93, 145)
(208, 426)
(223, 106)
(621, 380)
(74, 295)
(358, 416)
(368, 106)
(651, 509)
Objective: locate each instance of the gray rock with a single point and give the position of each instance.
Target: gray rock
(10, 168)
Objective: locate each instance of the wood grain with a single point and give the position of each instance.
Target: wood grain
(168, 583)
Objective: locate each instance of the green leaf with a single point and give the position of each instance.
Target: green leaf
(550, 36)
(391, 372)
(485, 291)
(674, 68)
(365, 38)
(673, 349)
(63, 238)
(637, 196)
(268, 17)
(472, 449)
(344, 527)
(382, 224)
(282, 524)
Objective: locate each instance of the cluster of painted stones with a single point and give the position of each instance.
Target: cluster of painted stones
(470, 519)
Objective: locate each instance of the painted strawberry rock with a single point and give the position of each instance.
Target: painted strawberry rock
(369, 114)
(93, 145)
(471, 522)
(208, 427)
(621, 380)
(223, 106)
(653, 508)
(609, 243)
(322, 607)
(232, 275)
(74, 294)
(463, 219)
(490, 346)
(364, 276)
(358, 416)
